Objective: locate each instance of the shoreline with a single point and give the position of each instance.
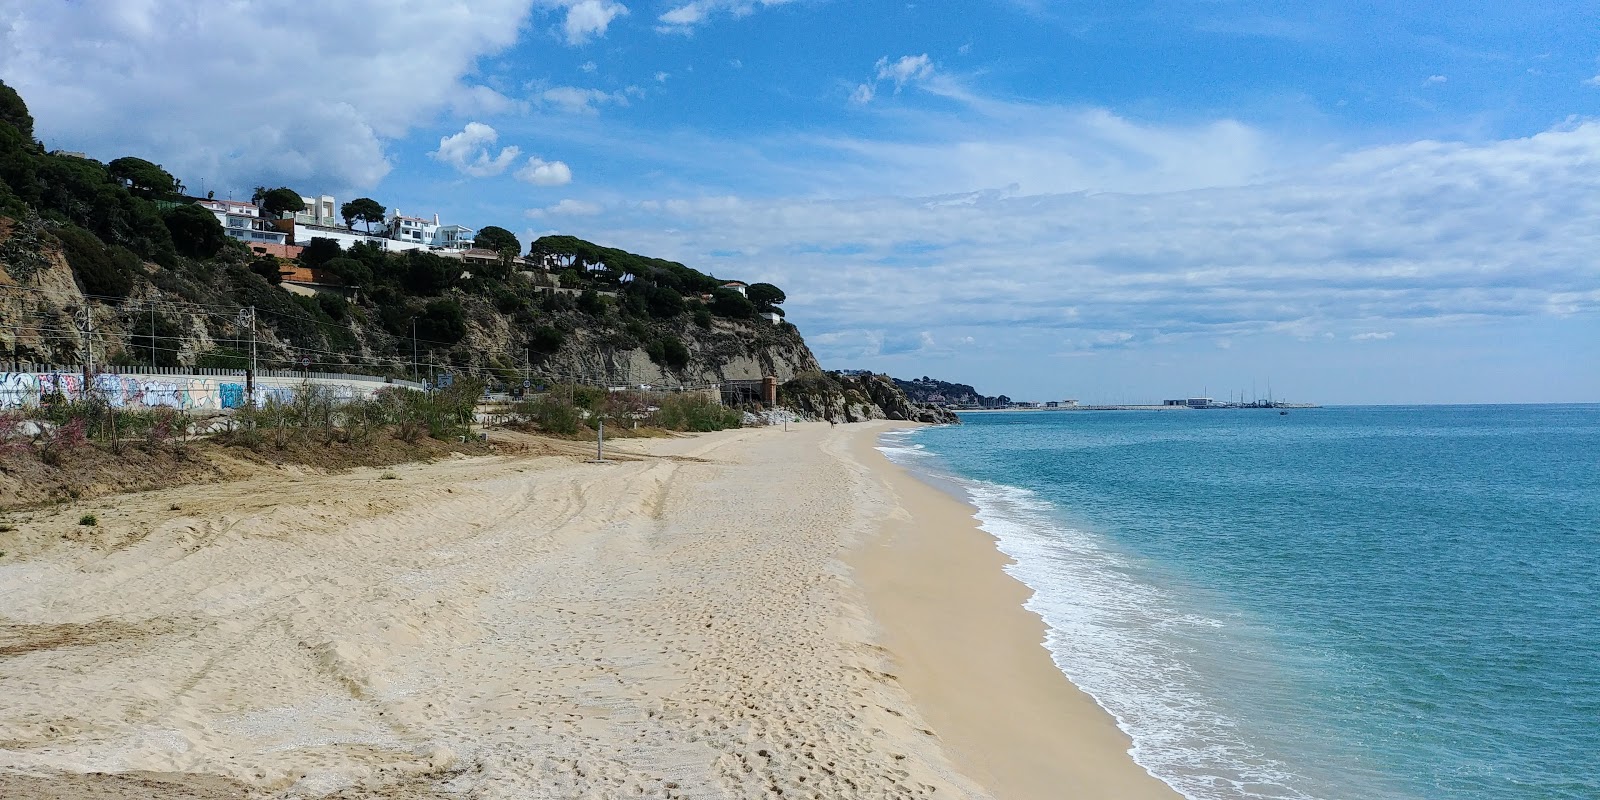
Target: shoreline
(972, 657)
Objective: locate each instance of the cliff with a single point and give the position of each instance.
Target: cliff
(857, 398)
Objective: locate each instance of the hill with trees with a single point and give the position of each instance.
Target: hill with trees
(114, 262)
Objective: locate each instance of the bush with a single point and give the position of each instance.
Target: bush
(102, 270)
(195, 231)
(442, 321)
(702, 316)
(668, 351)
(553, 414)
(591, 303)
(88, 520)
(268, 268)
(695, 412)
(333, 305)
(546, 339)
(729, 303)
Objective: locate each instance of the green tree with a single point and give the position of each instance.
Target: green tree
(765, 296)
(426, 273)
(195, 231)
(320, 250)
(442, 321)
(591, 303)
(268, 268)
(279, 201)
(144, 178)
(495, 238)
(546, 339)
(15, 112)
(362, 209)
(731, 304)
(101, 270)
(349, 271)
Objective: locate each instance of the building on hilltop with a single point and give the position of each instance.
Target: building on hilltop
(320, 210)
(243, 221)
(737, 286)
(424, 233)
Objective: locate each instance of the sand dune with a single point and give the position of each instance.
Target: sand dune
(678, 624)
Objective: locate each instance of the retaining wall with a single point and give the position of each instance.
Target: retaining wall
(178, 390)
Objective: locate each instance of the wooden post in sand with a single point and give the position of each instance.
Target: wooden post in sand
(600, 442)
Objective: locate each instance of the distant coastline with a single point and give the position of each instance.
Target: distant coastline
(1278, 406)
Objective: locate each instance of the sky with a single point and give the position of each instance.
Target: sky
(1356, 202)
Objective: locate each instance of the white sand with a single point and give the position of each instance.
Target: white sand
(677, 625)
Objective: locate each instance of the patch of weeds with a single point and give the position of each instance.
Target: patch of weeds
(7, 528)
(390, 476)
(88, 520)
(174, 507)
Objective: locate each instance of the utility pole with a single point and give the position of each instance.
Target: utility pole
(88, 343)
(413, 349)
(152, 334)
(247, 318)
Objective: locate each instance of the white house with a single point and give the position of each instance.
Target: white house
(243, 221)
(737, 286)
(321, 210)
(771, 316)
(425, 233)
(453, 237)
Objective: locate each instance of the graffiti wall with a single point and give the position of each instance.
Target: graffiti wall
(25, 389)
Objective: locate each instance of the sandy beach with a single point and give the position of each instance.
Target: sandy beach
(755, 613)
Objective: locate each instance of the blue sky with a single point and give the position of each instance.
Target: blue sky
(1360, 202)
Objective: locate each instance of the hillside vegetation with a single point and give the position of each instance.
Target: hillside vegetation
(112, 261)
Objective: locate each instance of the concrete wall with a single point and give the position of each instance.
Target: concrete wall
(181, 392)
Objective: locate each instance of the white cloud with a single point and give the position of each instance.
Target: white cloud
(574, 100)
(588, 67)
(736, 63)
(568, 207)
(683, 18)
(586, 19)
(545, 173)
(1378, 240)
(905, 70)
(92, 73)
(468, 151)
(1595, 81)
(965, 49)
(1435, 79)
(661, 77)
(902, 71)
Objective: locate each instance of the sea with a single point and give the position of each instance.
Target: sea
(1358, 602)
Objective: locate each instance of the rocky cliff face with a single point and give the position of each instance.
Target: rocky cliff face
(43, 304)
(841, 398)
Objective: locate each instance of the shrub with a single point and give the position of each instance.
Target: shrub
(553, 414)
(695, 412)
(442, 321)
(731, 304)
(546, 339)
(105, 271)
(195, 231)
(88, 520)
(702, 316)
(591, 303)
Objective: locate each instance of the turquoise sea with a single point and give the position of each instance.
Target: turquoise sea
(1371, 602)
